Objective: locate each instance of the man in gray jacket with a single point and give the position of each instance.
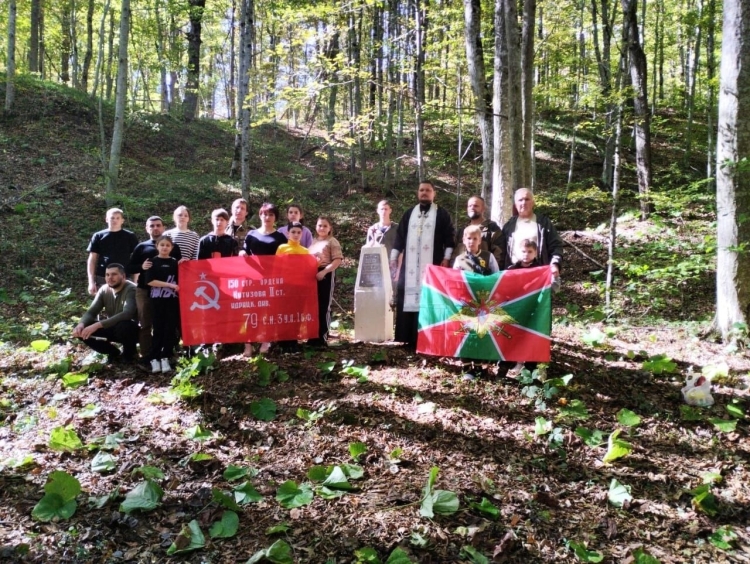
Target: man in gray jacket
(116, 299)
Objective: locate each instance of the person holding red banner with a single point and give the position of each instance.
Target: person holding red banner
(294, 245)
(295, 214)
(327, 250)
(218, 244)
(263, 241)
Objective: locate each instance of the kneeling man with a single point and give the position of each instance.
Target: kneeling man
(117, 300)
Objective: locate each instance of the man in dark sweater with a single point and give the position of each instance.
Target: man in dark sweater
(111, 245)
(117, 300)
(140, 260)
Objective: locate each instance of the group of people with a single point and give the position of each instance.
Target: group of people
(426, 235)
(144, 311)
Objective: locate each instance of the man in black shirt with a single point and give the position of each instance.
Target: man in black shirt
(140, 260)
(111, 245)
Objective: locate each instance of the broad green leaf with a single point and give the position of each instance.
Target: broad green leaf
(542, 426)
(113, 441)
(584, 554)
(278, 553)
(14, 462)
(640, 556)
(40, 345)
(190, 538)
(245, 493)
(618, 493)
(145, 496)
(399, 556)
(264, 409)
(487, 508)
(224, 500)
(74, 379)
(704, 500)
(149, 472)
(317, 473)
(594, 338)
(289, 495)
(53, 506)
(200, 457)
(337, 480)
(735, 410)
(327, 366)
(689, 413)
(723, 537)
(444, 502)
(591, 438)
(617, 448)
(103, 462)
(474, 555)
(65, 439)
(327, 493)
(724, 425)
(353, 471)
(98, 502)
(659, 364)
(710, 477)
(226, 527)
(198, 433)
(357, 449)
(366, 555)
(575, 409)
(89, 411)
(233, 473)
(628, 418)
(280, 528)
(62, 484)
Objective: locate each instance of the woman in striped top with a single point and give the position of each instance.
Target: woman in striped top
(186, 240)
(328, 252)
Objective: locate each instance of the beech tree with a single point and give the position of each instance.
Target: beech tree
(733, 172)
(11, 70)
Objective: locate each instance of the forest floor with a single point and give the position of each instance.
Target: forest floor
(525, 458)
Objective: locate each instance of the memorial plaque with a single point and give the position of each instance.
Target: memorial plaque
(371, 275)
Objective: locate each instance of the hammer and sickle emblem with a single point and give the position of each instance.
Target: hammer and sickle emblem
(200, 292)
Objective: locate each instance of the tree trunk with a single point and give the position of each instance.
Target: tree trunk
(710, 112)
(502, 174)
(65, 44)
(479, 87)
(120, 94)
(110, 55)
(161, 53)
(603, 64)
(527, 90)
(100, 60)
(242, 138)
(34, 36)
(89, 54)
(692, 81)
(515, 111)
(10, 78)
(732, 178)
(232, 106)
(638, 74)
(190, 103)
(420, 20)
(332, 52)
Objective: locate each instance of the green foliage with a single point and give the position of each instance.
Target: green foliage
(539, 394)
(144, 497)
(226, 527)
(198, 433)
(312, 417)
(659, 364)
(278, 553)
(574, 409)
(149, 472)
(264, 409)
(190, 538)
(245, 493)
(59, 501)
(583, 554)
(356, 450)
(103, 462)
(361, 373)
(64, 439)
(74, 379)
(487, 508)
(704, 500)
(434, 501)
(474, 556)
(233, 472)
(724, 425)
(723, 537)
(628, 418)
(591, 438)
(619, 494)
(640, 556)
(290, 495)
(617, 448)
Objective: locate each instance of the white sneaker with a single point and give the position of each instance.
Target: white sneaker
(515, 372)
(155, 366)
(165, 365)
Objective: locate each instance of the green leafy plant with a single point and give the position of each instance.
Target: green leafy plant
(593, 438)
(312, 417)
(628, 418)
(64, 439)
(640, 556)
(361, 373)
(723, 537)
(704, 500)
(149, 472)
(144, 497)
(356, 450)
(736, 409)
(474, 556)
(103, 462)
(540, 394)
(486, 507)
(573, 409)
(618, 494)
(59, 500)
(75, 379)
(583, 553)
(190, 538)
(616, 448)
(198, 433)
(659, 364)
(724, 425)
(226, 501)
(233, 473)
(278, 553)
(245, 493)
(226, 527)
(290, 495)
(442, 502)
(264, 409)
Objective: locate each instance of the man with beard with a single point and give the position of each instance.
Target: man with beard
(117, 300)
(425, 235)
(493, 240)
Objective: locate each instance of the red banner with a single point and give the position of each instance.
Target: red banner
(248, 299)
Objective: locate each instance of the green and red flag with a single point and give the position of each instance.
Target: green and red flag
(503, 316)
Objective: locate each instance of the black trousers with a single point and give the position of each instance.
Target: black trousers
(166, 316)
(124, 332)
(325, 293)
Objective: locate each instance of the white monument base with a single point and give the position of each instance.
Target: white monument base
(373, 316)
